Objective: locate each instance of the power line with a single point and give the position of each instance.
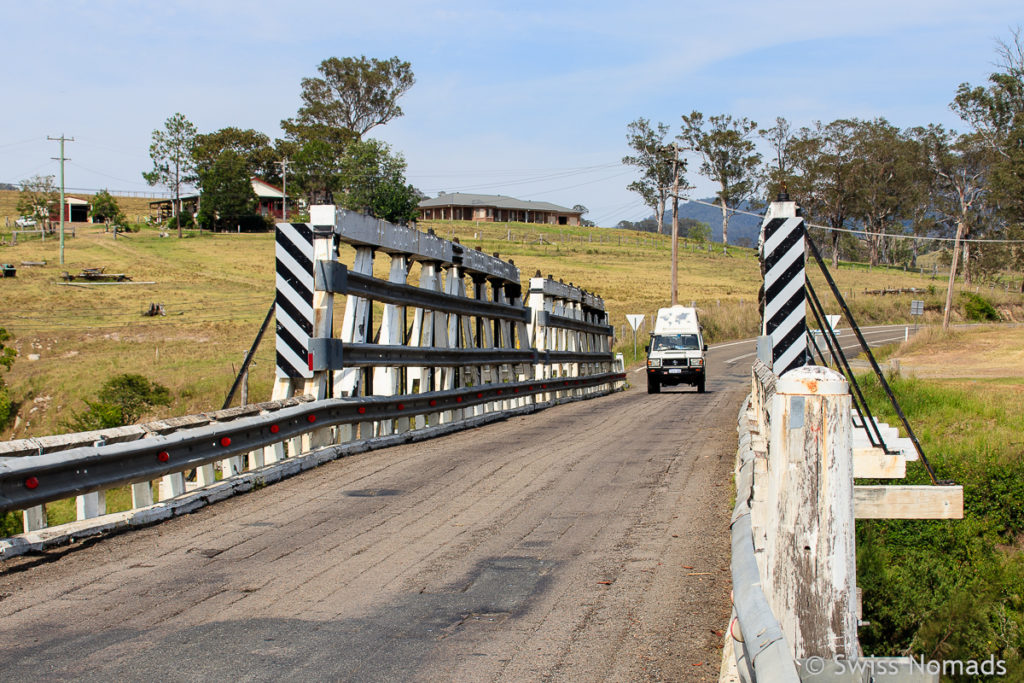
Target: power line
(868, 232)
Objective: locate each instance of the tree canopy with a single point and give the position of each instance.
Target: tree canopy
(351, 94)
(252, 146)
(374, 182)
(38, 194)
(228, 199)
(727, 156)
(173, 164)
(105, 209)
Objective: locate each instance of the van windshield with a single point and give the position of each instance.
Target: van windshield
(675, 342)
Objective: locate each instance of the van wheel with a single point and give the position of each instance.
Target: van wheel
(700, 387)
(653, 386)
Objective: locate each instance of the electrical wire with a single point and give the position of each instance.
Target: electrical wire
(868, 232)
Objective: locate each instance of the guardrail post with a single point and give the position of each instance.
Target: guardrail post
(90, 505)
(810, 570)
(323, 326)
(454, 285)
(34, 518)
(392, 331)
(538, 333)
(142, 494)
(484, 337)
(354, 330)
(427, 330)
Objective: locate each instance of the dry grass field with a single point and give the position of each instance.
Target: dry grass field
(216, 289)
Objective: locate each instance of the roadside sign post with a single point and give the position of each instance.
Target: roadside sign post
(635, 321)
(916, 308)
(832, 321)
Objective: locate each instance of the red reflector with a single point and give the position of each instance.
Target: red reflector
(163, 456)
(274, 429)
(433, 402)
(458, 399)
(515, 391)
(401, 406)
(499, 392)
(31, 483)
(479, 394)
(310, 357)
(361, 410)
(311, 418)
(225, 441)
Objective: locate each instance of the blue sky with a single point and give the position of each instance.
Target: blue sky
(528, 99)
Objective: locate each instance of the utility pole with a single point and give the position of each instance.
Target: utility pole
(284, 174)
(675, 223)
(61, 159)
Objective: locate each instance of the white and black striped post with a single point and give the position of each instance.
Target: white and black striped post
(782, 254)
(294, 303)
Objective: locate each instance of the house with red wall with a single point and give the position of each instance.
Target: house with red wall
(494, 208)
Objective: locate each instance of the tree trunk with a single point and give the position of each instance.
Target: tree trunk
(873, 249)
(176, 212)
(952, 273)
(725, 228)
(968, 274)
(835, 250)
(660, 209)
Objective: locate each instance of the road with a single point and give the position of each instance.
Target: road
(585, 542)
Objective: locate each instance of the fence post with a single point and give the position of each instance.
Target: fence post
(810, 566)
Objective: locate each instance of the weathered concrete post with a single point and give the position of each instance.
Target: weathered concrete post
(809, 570)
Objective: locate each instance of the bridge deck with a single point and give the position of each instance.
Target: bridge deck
(585, 542)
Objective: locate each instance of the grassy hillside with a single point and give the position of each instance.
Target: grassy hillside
(216, 289)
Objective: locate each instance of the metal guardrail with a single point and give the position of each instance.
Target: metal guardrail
(36, 479)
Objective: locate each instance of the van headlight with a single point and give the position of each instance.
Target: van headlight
(697, 362)
(654, 362)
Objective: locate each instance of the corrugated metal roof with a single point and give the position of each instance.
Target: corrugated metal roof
(496, 201)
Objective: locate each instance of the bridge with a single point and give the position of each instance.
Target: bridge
(506, 511)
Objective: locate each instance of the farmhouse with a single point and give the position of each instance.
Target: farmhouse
(270, 202)
(489, 208)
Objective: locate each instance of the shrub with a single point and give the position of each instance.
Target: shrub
(977, 308)
(122, 401)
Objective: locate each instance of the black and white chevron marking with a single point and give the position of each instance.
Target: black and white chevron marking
(294, 262)
(784, 297)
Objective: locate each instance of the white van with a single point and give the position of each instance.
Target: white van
(676, 352)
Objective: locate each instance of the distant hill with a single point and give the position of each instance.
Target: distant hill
(743, 229)
(741, 226)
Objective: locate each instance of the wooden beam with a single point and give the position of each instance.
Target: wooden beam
(874, 463)
(908, 502)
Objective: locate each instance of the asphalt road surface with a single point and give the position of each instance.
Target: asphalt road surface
(587, 542)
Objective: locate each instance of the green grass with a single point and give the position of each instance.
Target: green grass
(952, 589)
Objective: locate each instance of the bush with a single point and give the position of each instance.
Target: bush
(7, 355)
(122, 401)
(978, 309)
(950, 589)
